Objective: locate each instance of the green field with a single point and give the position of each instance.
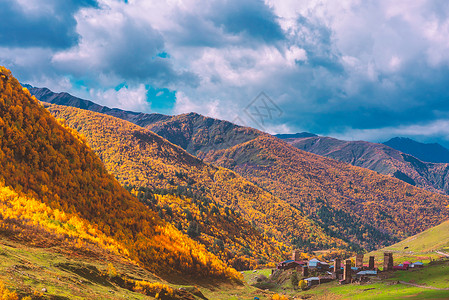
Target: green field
(420, 247)
(434, 275)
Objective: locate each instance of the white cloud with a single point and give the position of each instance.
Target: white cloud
(125, 98)
(338, 59)
(438, 129)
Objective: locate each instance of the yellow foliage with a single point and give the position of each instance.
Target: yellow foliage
(302, 284)
(42, 160)
(112, 272)
(155, 289)
(29, 211)
(141, 158)
(6, 294)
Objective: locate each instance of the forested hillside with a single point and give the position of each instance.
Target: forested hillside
(216, 199)
(41, 159)
(352, 202)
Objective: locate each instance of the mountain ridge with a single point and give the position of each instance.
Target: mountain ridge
(380, 158)
(432, 152)
(289, 174)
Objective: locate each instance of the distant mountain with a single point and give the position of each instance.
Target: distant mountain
(46, 95)
(433, 152)
(350, 203)
(295, 135)
(380, 158)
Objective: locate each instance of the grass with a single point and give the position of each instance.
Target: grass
(434, 275)
(251, 275)
(27, 270)
(378, 291)
(420, 247)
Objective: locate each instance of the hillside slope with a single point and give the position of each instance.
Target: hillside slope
(370, 208)
(431, 240)
(43, 160)
(426, 152)
(66, 255)
(140, 158)
(380, 158)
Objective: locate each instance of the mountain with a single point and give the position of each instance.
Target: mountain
(380, 158)
(217, 199)
(43, 160)
(433, 152)
(46, 95)
(359, 204)
(340, 198)
(66, 254)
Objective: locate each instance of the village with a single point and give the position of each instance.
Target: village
(315, 272)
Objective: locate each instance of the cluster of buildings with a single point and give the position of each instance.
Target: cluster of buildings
(345, 272)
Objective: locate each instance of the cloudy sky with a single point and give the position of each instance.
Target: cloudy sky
(353, 69)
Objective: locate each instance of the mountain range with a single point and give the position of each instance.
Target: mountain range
(380, 158)
(218, 200)
(340, 198)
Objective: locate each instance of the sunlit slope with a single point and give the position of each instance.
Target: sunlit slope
(42, 159)
(430, 240)
(139, 157)
(368, 208)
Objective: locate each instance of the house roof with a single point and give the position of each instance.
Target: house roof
(367, 272)
(287, 261)
(312, 278)
(314, 260)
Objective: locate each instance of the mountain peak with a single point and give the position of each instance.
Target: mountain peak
(429, 152)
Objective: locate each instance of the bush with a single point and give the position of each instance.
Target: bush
(294, 280)
(302, 284)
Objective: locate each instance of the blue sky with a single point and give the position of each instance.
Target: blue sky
(352, 69)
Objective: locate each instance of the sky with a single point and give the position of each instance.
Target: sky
(352, 69)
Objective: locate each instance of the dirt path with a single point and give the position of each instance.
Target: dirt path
(442, 253)
(423, 286)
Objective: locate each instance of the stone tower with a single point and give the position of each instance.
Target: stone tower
(359, 260)
(296, 255)
(371, 263)
(347, 271)
(337, 266)
(388, 261)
